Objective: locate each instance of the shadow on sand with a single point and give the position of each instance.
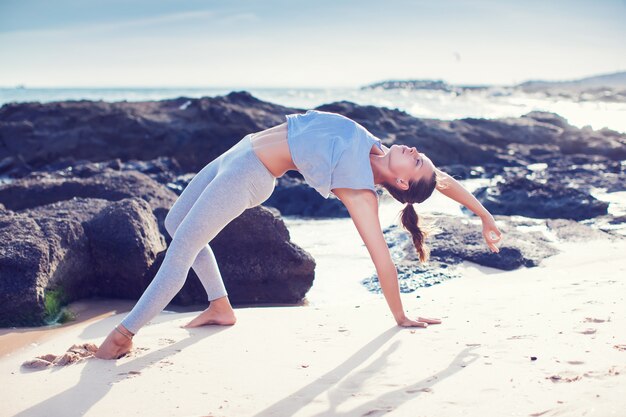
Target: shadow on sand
(98, 376)
(336, 389)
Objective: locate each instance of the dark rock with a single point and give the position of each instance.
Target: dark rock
(582, 172)
(195, 131)
(294, 197)
(618, 219)
(549, 118)
(100, 234)
(124, 241)
(460, 239)
(93, 247)
(463, 172)
(49, 248)
(586, 173)
(540, 133)
(473, 141)
(273, 270)
(439, 139)
(192, 131)
(571, 231)
(257, 260)
(524, 197)
(40, 188)
(162, 169)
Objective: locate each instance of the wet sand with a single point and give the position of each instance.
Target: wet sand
(15, 339)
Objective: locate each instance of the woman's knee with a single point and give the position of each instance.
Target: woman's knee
(183, 249)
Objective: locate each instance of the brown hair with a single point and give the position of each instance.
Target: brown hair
(417, 192)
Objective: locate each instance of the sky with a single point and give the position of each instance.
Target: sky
(306, 44)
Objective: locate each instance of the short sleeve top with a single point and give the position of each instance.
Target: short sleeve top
(331, 150)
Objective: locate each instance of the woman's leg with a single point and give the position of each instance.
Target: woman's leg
(224, 199)
(244, 185)
(260, 185)
(205, 264)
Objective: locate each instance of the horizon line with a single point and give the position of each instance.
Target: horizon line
(36, 86)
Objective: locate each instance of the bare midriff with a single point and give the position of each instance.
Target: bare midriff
(271, 147)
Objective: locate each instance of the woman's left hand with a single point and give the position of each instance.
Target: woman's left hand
(491, 233)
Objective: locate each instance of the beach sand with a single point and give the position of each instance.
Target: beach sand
(350, 359)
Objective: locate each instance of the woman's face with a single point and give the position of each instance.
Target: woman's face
(407, 164)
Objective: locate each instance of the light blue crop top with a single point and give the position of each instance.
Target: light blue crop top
(331, 151)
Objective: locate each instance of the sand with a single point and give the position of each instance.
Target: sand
(350, 359)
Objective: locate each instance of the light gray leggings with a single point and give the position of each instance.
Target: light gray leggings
(217, 194)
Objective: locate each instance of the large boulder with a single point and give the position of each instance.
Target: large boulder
(67, 237)
(258, 261)
(79, 248)
(64, 251)
(537, 133)
(460, 239)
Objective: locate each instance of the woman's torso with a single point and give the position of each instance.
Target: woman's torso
(271, 146)
(328, 149)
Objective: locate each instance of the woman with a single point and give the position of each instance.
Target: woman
(334, 154)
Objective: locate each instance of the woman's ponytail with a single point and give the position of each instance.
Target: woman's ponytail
(410, 222)
(417, 192)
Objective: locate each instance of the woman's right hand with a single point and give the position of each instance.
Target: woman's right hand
(420, 322)
(491, 233)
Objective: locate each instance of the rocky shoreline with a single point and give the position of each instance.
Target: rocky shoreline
(89, 184)
(610, 88)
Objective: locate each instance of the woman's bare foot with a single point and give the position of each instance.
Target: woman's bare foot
(115, 345)
(219, 312)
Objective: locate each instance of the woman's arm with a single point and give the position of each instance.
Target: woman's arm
(451, 188)
(363, 208)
